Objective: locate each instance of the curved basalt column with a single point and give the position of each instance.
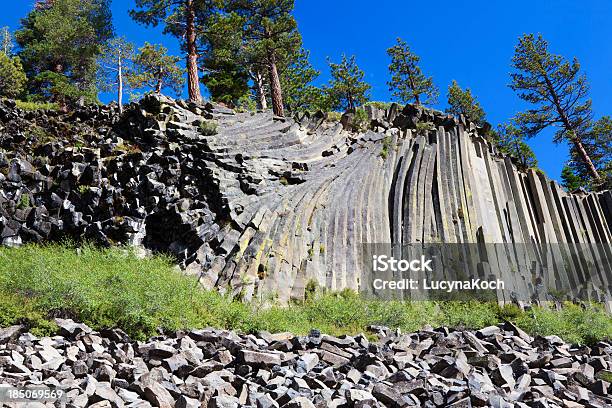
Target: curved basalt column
(266, 205)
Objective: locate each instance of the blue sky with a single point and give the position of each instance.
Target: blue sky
(470, 41)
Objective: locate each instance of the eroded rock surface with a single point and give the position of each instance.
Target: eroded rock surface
(262, 205)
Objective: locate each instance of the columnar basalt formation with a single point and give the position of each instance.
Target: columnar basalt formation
(260, 206)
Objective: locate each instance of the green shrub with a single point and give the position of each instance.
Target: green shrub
(387, 146)
(379, 104)
(33, 106)
(24, 201)
(361, 121)
(209, 128)
(333, 117)
(423, 127)
(572, 323)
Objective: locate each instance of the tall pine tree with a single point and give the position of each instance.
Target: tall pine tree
(227, 64)
(559, 93)
(296, 79)
(60, 41)
(270, 37)
(597, 141)
(408, 83)
(188, 21)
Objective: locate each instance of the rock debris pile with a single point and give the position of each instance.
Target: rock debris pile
(259, 205)
(498, 366)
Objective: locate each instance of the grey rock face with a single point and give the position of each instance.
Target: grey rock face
(247, 370)
(266, 205)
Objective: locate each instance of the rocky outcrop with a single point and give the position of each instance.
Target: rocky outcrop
(259, 205)
(498, 366)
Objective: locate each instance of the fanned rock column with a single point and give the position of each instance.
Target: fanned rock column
(260, 206)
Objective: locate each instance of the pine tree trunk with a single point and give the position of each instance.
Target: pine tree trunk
(415, 94)
(193, 79)
(120, 81)
(574, 137)
(351, 105)
(160, 81)
(585, 158)
(275, 86)
(262, 102)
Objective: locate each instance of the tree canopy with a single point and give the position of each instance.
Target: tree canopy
(510, 140)
(154, 69)
(408, 83)
(558, 91)
(188, 21)
(12, 76)
(270, 38)
(347, 88)
(462, 102)
(59, 42)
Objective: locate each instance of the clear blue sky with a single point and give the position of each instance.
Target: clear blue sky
(470, 41)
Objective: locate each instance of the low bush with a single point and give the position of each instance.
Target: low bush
(32, 106)
(333, 117)
(114, 288)
(209, 127)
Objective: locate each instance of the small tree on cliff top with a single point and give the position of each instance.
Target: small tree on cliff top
(347, 89)
(156, 70)
(462, 102)
(408, 83)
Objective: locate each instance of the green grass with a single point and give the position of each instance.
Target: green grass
(113, 288)
(387, 146)
(32, 106)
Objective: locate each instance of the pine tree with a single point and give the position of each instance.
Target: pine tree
(115, 65)
(227, 82)
(559, 92)
(60, 41)
(408, 83)
(510, 140)
(296, 81)
(570, 180)
(462, 102)
(271, 37)
(227, 64)
(12, 76)
(155, 69)
(188, 21)
(347, 90)
(597, 141)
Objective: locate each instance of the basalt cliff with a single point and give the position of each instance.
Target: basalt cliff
(258, 205)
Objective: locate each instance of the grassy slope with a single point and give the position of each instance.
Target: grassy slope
(112, 288)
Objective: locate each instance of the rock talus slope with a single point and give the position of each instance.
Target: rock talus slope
(264, 205)
(497, 366)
